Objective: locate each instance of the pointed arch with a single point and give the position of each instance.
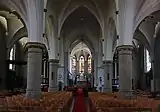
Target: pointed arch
(86, 42)
(17, 36)
(18, 8)
(72, 8)
(76, 47)
(110, 40)
(147, 9)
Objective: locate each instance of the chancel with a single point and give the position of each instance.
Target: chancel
(79, 55)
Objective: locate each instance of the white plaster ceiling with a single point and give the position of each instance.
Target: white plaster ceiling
(147, 8)
(18, 7)
(149, 27)
(11, 12)
(62, 9)
(4, 15)
(82, 18)
(3, 21)
(85, 40)
(82, 23)
(80, 47)
(23, 41)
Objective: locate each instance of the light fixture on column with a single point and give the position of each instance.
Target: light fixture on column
(6, 33)
(117, 12)
(81, 18)
(45, 10)
(81, 52)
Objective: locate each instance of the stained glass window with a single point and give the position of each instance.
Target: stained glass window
(147, 61)
(12, 57)
(73, 64)
(81, 64)
(89, 64)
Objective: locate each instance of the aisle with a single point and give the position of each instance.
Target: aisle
(79, 104)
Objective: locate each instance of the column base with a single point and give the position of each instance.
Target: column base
(157, 85)
(126, 94)
(109, 90)
(33, 94)
(52, 89)
(152, 86)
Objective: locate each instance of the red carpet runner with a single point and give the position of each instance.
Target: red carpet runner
(79, 105)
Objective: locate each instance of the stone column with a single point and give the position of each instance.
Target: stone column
(25, 72)
(34, 66)
(152, 79)
(24, 76)
(66, 76)
(142, 60)
(156, 75)
(44, 68)
(61, 74)
(53, 71)
(108, 75)
(77, 67)
(47, 70)
(115, 69)
(92, 73)
(86, 66)
(125, 71)
(135, 70)
(95, 68)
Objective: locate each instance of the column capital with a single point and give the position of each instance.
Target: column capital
(34, 45)
(54, 61)
(124, 48)
(61, 66)
(105, 62)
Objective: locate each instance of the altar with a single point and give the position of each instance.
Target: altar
(81, 77)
